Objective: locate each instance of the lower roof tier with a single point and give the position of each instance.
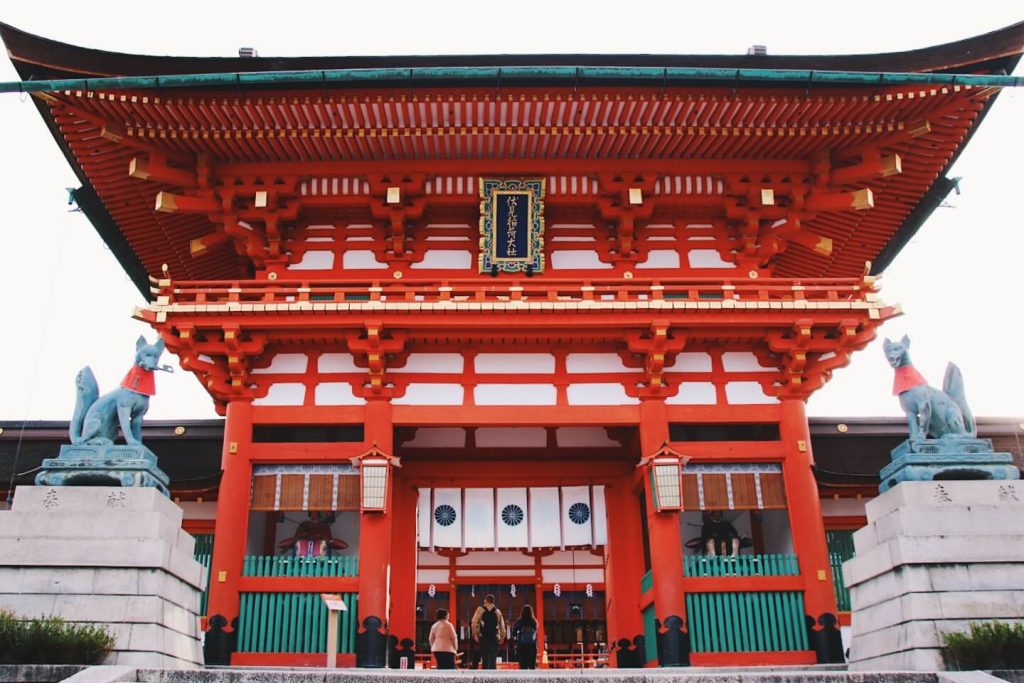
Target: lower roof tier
(230, 334)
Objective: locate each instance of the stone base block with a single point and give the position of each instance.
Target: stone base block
(946, 459)
(105, 464)
(110, 556)
(934, 557)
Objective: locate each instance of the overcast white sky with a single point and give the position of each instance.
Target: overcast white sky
(65, 303)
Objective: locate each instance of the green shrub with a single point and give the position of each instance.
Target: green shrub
(990, 645)
(51, 640)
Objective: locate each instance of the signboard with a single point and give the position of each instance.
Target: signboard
(334, 602)
(511, 225)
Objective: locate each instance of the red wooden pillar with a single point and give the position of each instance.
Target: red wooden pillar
(375, 550)
(806, 523)
(624, 570)
(230, 534)
(402, 615)
(666, 545)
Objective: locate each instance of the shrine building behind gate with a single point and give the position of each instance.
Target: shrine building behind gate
(514, 325)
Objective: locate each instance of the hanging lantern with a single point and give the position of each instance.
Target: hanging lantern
(666, 473)
(431, 590)
(374, 471)
(557, 590)
(512, 590)
(590, 590)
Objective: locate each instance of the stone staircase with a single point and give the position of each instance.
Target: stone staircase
(810, 674)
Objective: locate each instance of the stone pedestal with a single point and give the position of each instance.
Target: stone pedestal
(934, 557)
(111, 556)
(946, 459)
(103, 465)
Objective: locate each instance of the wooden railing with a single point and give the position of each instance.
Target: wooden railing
(293, 623)
(840, 549)
(741, 565)
(764, 621)
(203, 554)
(319, 294)
(286, 566)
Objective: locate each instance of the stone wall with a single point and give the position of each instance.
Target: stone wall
(105, 555)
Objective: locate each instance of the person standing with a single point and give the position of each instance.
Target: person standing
(444, 642)
(489, 631)
(524, 635)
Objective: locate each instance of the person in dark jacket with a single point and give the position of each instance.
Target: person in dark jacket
(488, 627)
(524, 635)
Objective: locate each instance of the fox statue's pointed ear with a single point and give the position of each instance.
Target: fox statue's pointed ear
(159, 345)
(140, 342)
(905, 341)
(887, 343)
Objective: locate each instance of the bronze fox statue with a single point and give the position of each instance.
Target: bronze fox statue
(930, 412)
(97, 418)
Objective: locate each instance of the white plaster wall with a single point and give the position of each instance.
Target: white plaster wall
(512, 437)
(438, 577)
(490, 572)
(337, 362)
(196, 510)
(283, 394)
(747, 393)
(584, 437)
(336, 394)
(581, 558)
(843, 507)
(437, 258)
(431, 363)
(438, 437)
(570, 576)
(660, 258)
(515, 394)
(356, 259)
(742, 361)
(694, 394)
(596, 363)
(515, 363)
(431, 395)
(285, 363)
(707, 258)
(314, 260)
(501, 558)
(577, 260)
(690, 361)
(609, 394)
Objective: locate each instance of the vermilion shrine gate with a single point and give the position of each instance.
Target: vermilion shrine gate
(512, 324)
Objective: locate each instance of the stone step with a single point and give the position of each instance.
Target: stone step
(775, 674)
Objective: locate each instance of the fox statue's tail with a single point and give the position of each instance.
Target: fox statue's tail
(953, 385)
(86, 392)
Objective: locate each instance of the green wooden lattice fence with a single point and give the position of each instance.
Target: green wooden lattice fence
(293, 623)
(766, 621)
(650, 634)
(840, 549)
(741, 565)
(203, 554)
(270, 565)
